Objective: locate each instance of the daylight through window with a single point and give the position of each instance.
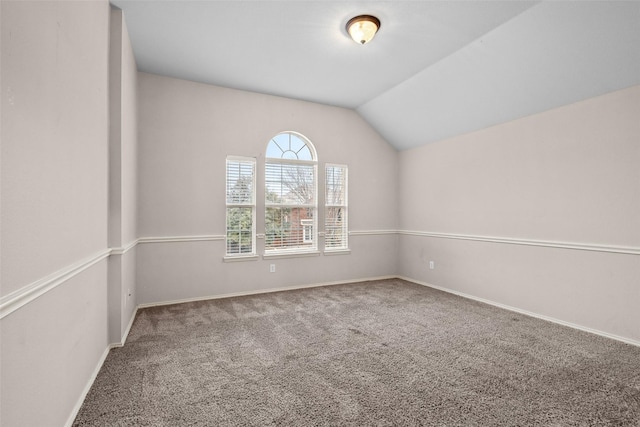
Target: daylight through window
(335, 216)
(241, 206)
(290, 194)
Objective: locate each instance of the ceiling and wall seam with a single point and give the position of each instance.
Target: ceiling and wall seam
(444, 58)
(436, 69)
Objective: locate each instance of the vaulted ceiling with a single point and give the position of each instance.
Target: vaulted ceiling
(436, 69)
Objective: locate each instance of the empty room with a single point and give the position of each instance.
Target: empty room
(323, 213)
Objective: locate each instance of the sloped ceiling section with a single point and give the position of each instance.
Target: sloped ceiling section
(553, 54)
(436, 68)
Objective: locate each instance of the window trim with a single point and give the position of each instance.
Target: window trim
(254, 253)
(240, 258)
(288, 253)
(344, 206)
(313, 248)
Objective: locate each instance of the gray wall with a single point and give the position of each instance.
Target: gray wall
(54, 206)
(560, 180)
(186, 132)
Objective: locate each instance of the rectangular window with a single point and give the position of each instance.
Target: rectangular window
(336, 230)
(290, 202)
(241, 206)
(307, 231)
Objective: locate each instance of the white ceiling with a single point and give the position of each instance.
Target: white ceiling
(436, 68)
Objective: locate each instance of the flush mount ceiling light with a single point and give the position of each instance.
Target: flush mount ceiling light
(362, 28)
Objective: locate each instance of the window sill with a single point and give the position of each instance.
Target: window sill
(337, 252)
(290, 254)
(240, 258)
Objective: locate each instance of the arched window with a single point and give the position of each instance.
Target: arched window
(290, 194)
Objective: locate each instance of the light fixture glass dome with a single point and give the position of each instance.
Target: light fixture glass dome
(363, 28)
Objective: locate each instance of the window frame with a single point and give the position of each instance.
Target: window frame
(252, 204)
(307, 248)
(345, 208)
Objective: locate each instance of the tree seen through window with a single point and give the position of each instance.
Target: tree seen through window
(290, 193)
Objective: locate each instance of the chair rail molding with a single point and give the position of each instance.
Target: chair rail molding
(173, 239)
(628, 250)
(28, 293)
(20, 297)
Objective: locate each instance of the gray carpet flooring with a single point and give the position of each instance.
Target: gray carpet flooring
(379, 353)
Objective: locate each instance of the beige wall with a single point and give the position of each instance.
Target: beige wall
(568, 176)
(51, 347)
(191, 270)
(123, 182)
(129, 135)
(187, 129)
(54, 127)
(186, 132)
(54, 204)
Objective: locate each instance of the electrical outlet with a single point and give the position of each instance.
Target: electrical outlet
(432, 265)
(272, 268)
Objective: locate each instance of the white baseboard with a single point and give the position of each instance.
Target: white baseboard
(87, 387)
(262, 291)
(94, 375)
(126, 331)
(525, 312)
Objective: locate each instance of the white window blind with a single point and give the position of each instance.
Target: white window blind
(335, 217)
(241, 206)
(290, 194)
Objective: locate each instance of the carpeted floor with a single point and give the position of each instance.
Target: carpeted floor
(383, 353)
